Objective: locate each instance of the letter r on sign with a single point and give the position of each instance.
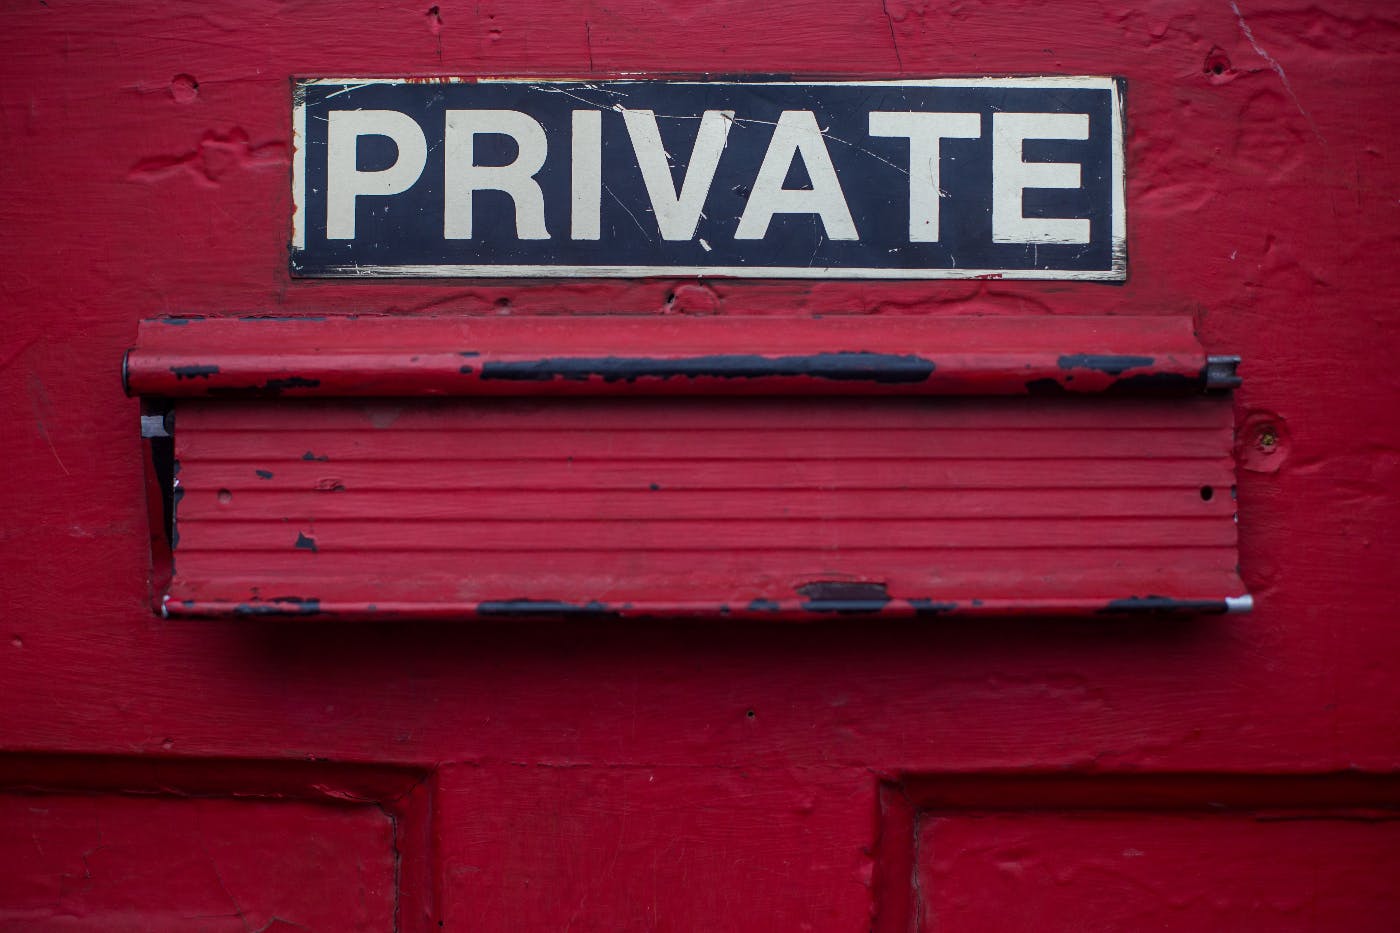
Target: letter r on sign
(462, 176)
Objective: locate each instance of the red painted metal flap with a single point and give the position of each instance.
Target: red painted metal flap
(846, 355)
(797, 502)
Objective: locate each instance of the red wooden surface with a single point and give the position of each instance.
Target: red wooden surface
(87, 862)
(1188, 851)
(1144, 869)
(730, 776)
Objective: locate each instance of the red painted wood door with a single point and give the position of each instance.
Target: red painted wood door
(986, 773)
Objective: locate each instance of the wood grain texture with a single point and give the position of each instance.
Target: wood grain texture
(146, 147)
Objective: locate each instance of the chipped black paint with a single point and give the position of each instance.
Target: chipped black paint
(1046, 387)
(279, 318)
(763, 605)
(466, 370)
(1162, 604)
(194, 371)
(1158, 382)
(279, 606)
(932, 607)
(275, 386)
(845, 591)
(306, 543)
(1114, 365)
(846, 365)
(853, 607)
(272, 387)
(263, 474)
(844, 597)
(545, 607)
(1138, 383)
(311, 456)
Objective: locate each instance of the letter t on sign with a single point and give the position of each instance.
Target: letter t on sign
(925, 131)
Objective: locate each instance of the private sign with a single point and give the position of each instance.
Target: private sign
(946, 178)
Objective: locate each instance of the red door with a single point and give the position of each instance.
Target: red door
(837, 757)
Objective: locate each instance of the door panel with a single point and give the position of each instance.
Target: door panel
(112, 862)
(1056, 852)
(1127, 871)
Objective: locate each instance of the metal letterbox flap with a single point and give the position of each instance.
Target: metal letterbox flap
(450, 467)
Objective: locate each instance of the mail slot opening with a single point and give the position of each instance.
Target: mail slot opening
(448, 468)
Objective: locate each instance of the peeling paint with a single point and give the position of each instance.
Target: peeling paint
(279, 606)
(274, 386)
(1046, 387)
(1162, 604)
(281, 318)
(844, 591)
(846, 606)
(1113, 364)
(842, 365)
(538, 607)
(933, 607)
(1155, 382)
(194, 371)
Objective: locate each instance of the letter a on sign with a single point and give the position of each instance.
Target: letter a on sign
(797, 134)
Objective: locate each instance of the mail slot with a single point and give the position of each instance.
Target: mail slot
(757, 468)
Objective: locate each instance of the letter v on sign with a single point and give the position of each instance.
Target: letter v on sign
(677, 214)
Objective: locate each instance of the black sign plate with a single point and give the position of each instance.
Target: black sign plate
(945, 178)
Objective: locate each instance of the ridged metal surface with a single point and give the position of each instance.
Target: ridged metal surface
(768, 507)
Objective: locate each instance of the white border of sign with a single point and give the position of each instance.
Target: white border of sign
(1118, 273)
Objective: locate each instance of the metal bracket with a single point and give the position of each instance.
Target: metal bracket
(156, 425)
(1220, 372)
